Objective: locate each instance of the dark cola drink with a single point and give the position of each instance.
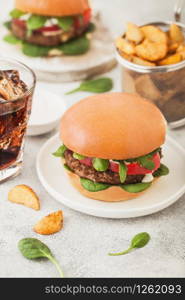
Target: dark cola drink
(15, 108)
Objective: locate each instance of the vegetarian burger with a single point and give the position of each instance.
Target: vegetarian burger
(49, 23)
(112, 145)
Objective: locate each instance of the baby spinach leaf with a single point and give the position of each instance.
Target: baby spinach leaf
(91, 28)
(140, 240)
(33, 249)
(35, 50)
(78, 156)
(7, 24)
(146, 162)
(65, 22)
(35, 22)
(136, 187)
(161, 171)
(60, 151)
(100, 164)
(12, 39)
(16, 13)
(100, 85)
(92, 186)
(76, 46)
(68, 168)
(122, 171)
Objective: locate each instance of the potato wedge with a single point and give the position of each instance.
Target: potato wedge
(125, 46)
(142, 62)
(172, 47)
(154, 34)
(171, 59)
(50, 224)
(134, 33)
(151, 51)
(176, 34)
(23, 194)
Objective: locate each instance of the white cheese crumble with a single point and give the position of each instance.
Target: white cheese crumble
(148, 178)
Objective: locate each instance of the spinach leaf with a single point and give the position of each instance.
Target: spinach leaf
(35, 50)
(136, 187)
(91, 27)
(76, 46)
(68, 168)
(60, 151)
(100, 85)
(33, 249)
(122, 171)
(140, 240)
(65, 23)
(12, 39)
(146, 162)
(35, 22)
(7, 24)
(92, 186)
(100, 164)
(161, 171)
(78, 156)
(16, 13)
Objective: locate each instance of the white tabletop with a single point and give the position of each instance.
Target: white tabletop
(83, 244)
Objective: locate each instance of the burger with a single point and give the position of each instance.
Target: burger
(44, 27)
(112, 146)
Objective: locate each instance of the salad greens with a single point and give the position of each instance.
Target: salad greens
(122, 171)
(60, 151)
(92, 186)
(16, 13)
(100, 164)
(35, 22)
(65, 22)
(78, 156)
(100, 85)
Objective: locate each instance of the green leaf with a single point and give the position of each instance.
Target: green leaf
(92, 186)
(12, 39)
(136, 187)
(100, 164)
(139, 241)
(33, 249)
(91, 27)
(7, 24)
(78, 156)
(36, 22)
(60, 151)
(68, 168)
(122, 171)
(146, 162)
(161, 171)
(100, 85)
(65, 23)
(16, 13)
(35, 50)
(76, 46)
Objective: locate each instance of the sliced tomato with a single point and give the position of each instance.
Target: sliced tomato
(49, 28)
(83, 20)
(87, 161)
(20, 23)
(87, 16)
(135, 169)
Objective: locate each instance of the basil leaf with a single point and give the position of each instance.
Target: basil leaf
(65, 23)
(16, 13)
(122, 172)
(92, 186)
(100, 164)
(60, 151)
(136, 187)
(33, 248)
(35, 50)
(68, 168)
(7, 24)
(91, 27)
(161, 171)
(76, 46)
(35, 22)
(100, 85)
(146, 162)
(12, 39)
(140, 240)
(78, 156)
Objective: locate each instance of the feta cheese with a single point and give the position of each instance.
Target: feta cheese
(148, 178)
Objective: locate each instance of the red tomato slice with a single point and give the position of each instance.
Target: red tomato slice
(20, 23)
(135, 168)
(49, 28)
(87, 161)
(84, 20)
(87, 16)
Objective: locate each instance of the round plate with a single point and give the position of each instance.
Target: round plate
(53, 107)
(99, 59)
(163, 192)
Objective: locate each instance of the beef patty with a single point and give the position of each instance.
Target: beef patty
(90, 173)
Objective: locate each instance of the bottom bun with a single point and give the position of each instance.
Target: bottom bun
(112, 194)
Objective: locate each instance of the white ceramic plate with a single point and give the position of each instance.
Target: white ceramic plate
(163, 193)
(47, 109)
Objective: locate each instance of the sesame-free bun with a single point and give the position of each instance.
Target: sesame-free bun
(52, 7)
(113, 126)
(112, 194)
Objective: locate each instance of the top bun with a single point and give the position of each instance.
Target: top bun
(52, 7)
(113, 126)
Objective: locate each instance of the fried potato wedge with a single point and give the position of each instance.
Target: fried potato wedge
(125, 46)
(154, 34)
(142, 62)
(176, 34)
(126, 56)
(23, 194)
(171, 59)
(151, 51)
(172, 47)
(181, 51)
(50, 224)
(134, 33)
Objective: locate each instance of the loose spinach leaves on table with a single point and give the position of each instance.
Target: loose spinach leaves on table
(100, 85)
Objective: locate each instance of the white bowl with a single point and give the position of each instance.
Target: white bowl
(47, 109)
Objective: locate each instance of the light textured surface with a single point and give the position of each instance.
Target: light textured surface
(83, 244)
